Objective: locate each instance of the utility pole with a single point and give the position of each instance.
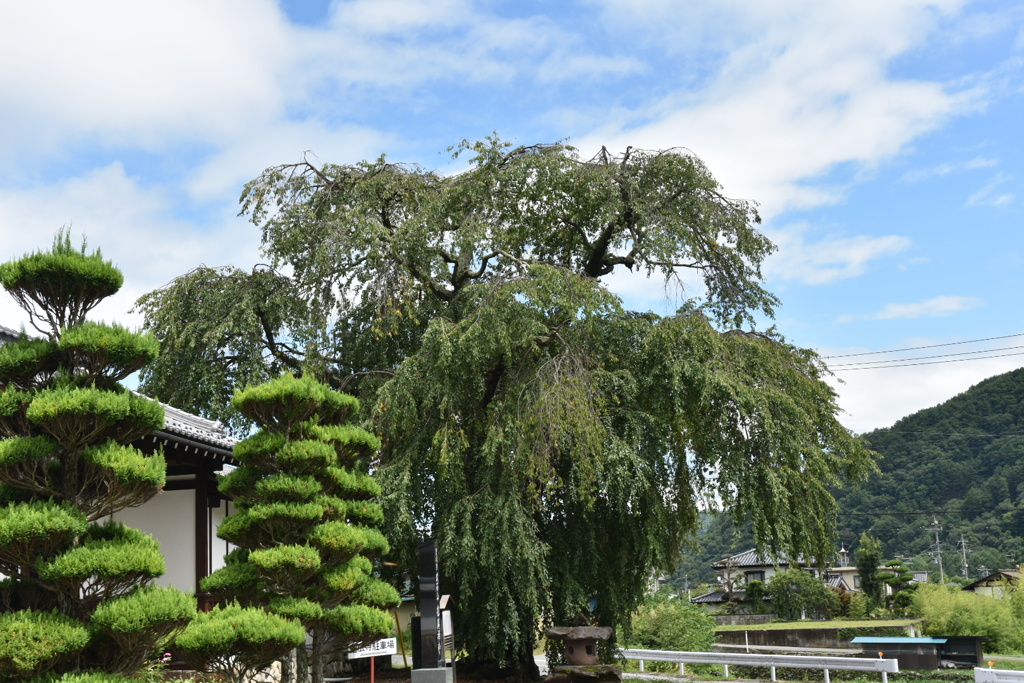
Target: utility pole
(938, 548)
(963, 556)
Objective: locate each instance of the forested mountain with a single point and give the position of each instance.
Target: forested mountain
(960, 464)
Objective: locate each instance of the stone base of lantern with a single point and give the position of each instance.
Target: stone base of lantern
(440, 675)
(594, 673)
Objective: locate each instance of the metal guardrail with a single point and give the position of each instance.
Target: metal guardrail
(997, 675)
(883, 666)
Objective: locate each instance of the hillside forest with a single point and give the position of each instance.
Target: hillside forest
(958, 466)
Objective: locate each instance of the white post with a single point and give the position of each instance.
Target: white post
(682, 668)
(726, 675)
(641, 666)
(826, 676)
(885, 677)
(773, 673)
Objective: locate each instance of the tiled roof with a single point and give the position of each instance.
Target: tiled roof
(716, 597)
(834, 581)
(752, 558)
(198, 429)
(7, 335)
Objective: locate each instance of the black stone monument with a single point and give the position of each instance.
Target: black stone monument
(431, 659)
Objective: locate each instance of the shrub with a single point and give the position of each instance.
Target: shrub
(238, 642)
(34, 642)
(954, 612)
(80, 586)
(665, 622)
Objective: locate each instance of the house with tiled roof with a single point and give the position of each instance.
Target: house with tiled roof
(184, 517)
(735, 572)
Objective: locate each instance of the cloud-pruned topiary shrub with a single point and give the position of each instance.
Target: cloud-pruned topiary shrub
(306, 520)
(77, 599)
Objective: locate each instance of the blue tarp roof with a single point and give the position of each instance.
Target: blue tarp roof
(893, 641)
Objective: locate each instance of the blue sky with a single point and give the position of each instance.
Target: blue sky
(882, 139)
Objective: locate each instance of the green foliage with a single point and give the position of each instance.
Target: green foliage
(34, 642)
(281, 405)
(304, 550)
(756, 591)
(954, 612)
(103, 355)
(289, 488)
(869, 559)
(340, 539)
(555, 444)
(140, 622)
(129, 464)
(78, 416)
(665, 622)
(795, 593)
(300, 609)
(92, 678)
(76, 597)
(29, 363)
(362, 623)
(144, 609)
(850, 632)
(376, 593)
(238, 642)
(110, 565)
(291, 560)
(860, 608)
(59, 286)
(35, 530)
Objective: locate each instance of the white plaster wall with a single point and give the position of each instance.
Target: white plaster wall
(218, 547)
(170, 518)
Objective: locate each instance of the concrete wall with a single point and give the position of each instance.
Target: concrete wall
(793, 637)
(743, 619)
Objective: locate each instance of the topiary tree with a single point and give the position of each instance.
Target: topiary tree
(306, 521)
(76, 597)
(238, 642)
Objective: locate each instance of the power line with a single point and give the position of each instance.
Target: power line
(941, 355)
(934, 362)
(930, 346)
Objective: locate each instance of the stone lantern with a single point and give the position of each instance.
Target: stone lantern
(580, 642)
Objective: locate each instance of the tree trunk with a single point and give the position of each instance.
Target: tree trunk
(317, 655)
(301, 664)
(288, 668)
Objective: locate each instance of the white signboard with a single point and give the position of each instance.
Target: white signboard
(384, 646)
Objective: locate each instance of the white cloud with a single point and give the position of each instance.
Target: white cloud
(945, 169)
(989, 194)
(384, 44)
(877, 398)
(829, 259)
(131, 224)
(241, 160)
(127, 73)
(800, 87)
(936, 307)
